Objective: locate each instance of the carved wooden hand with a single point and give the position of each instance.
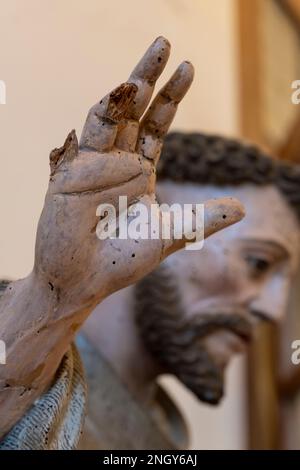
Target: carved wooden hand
(117, 156)
(73, 269)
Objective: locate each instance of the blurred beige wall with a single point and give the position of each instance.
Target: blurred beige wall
(57, 59)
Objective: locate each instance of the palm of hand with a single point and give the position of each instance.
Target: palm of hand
(117, 156)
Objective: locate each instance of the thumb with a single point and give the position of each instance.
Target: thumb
(221, 213)
(218, 214)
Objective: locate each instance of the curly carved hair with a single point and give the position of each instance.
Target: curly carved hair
(212, 159)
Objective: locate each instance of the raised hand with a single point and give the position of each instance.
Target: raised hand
(74, 269)
(117, 156)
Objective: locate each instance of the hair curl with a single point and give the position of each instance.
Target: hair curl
(212, 159)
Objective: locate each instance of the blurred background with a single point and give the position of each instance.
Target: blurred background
(59, 56)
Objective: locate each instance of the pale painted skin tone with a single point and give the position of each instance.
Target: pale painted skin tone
(74, 270)
(248, 267)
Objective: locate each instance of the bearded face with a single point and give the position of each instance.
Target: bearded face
(177, 342)
(200, 307)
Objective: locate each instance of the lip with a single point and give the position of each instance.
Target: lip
(231, 345)
(239, 343)
(245, 336)
(240, 338)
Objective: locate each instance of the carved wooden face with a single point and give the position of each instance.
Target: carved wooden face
(246, 268)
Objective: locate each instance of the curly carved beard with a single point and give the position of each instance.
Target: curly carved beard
(176, 342)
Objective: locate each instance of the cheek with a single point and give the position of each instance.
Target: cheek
(213, 271)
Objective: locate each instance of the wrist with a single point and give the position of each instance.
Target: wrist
(28, 303)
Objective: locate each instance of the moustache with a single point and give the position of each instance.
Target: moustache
(203, 324)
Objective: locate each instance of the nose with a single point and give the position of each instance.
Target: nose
(272, 299)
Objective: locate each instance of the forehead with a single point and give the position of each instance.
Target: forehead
(268, 216)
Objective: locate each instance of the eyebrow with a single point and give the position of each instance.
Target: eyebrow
(270, 244)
